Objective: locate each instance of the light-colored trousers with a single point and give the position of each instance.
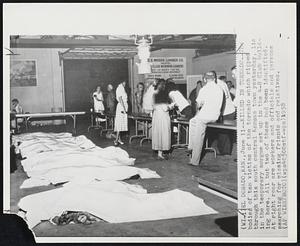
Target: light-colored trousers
(197, 131)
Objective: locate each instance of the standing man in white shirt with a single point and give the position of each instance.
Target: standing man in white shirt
(209, 101)
(148, 97)
(224, 138)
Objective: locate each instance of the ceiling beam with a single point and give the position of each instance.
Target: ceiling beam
(54, 43)
(166, 44)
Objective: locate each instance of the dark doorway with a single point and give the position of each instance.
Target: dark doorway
(81, 77)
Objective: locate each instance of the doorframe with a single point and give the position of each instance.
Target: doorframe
(131, 81)
(130, 62)
(63, 85)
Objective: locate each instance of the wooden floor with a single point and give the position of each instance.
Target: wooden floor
(175, 174)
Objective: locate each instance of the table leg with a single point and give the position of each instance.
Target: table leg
(147, 131)
(210, 148)
(136, 132)
(178, 144)
(136, 127)
(187, 135)
(147, 137)
(74, 124)
(178, 132)
(26, 124)
(92, 123)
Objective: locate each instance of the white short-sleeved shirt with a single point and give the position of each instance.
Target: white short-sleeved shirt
(148, 98)
(18, 109)
(99, 96)
(210, 97)
(232, 91)
(120, 92)
(180, 101)
(229, 106)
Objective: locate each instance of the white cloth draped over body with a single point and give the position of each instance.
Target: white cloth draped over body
(121, 119)
(52, 158)
(59, 157)
(112, 201)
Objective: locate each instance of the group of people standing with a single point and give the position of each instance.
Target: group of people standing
(158, 99)
(120, 110)
(211, 100)
(101, 106)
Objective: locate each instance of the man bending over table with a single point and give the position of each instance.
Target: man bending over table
(209, 101)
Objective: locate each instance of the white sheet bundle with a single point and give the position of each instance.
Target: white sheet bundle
(60, 157)
(112, 201)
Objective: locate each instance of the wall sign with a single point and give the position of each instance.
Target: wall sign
(167, 67)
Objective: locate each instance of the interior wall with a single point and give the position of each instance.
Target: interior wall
(48, 93)
(221, 62)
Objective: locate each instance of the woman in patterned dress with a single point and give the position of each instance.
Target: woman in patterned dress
(121, 118)
(161, 122)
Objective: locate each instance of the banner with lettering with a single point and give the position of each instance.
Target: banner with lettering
(167, 67)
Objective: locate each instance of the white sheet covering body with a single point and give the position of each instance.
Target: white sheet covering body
(60, 157)
(112, 201)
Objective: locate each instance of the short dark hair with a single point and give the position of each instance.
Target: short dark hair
(222, 78)
(199, 82)
(234, 67)
(15, 100)
(140, 84)
(229, 81)
(170, 86)
(161, 96)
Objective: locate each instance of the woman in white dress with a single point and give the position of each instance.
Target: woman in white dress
(161, 122)
(98, 100)
(121, 118)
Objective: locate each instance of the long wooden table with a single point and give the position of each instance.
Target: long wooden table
(34, 116)
(181, 124)
(184, 124)
(146, 120)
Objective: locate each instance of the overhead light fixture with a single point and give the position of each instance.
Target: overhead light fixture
(143, 44)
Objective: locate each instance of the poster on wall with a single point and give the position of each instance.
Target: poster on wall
(167, 67)
(23, 73)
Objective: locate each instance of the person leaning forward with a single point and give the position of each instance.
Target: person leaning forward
(209, 100)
